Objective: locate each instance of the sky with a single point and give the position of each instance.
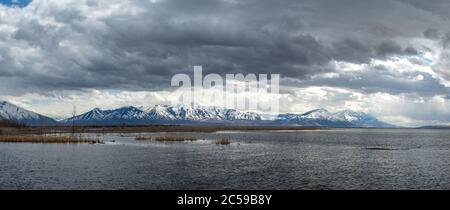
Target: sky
(17, 3)
(389, 58)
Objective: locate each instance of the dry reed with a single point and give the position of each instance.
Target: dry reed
(141, 137)
(45, 139)
(174, 138)
(223, 142)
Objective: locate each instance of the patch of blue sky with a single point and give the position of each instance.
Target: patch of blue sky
(114, 92)
(40, 101)
(421, 56)
(15, 3)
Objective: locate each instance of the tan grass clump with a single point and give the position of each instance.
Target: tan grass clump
(174, 138)
(223, 142)
(141, 137)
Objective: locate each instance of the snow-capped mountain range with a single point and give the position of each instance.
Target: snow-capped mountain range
(182, 114)
(161, 114)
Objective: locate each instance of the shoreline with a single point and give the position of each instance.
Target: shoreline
(43, 130)
(45, 139)
(147, 128)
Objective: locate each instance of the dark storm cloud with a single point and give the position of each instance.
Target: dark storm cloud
(142, 44)
(389, 48)
(431, 33)
(435, 7)
(392, 83)
(352, 50)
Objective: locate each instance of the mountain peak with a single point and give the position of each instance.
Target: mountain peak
(318, 113)
(350, 115)
(129, 108)
(9, 111)
(322, 117)
(97, 110)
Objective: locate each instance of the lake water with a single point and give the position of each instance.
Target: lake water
(330, 159)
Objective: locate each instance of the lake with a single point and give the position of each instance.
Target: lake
(262, 160)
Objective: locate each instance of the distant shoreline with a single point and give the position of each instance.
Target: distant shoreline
(147, 128)
(169, 128)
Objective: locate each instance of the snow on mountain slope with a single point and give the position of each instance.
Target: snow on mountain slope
(12, 112)
(159, 113)
(93, 115)
(322, 117)
(318, 114)
(128, 113)
(352, 116)
(360, 118)
(199, 113)
(232, 114)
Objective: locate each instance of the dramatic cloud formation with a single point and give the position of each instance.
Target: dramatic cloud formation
(388, 57)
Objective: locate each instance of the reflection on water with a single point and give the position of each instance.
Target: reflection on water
(331, 159)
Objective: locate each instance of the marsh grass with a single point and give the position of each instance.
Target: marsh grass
(174, 138)
(141, 137)
(223, 142)
(46, 139)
